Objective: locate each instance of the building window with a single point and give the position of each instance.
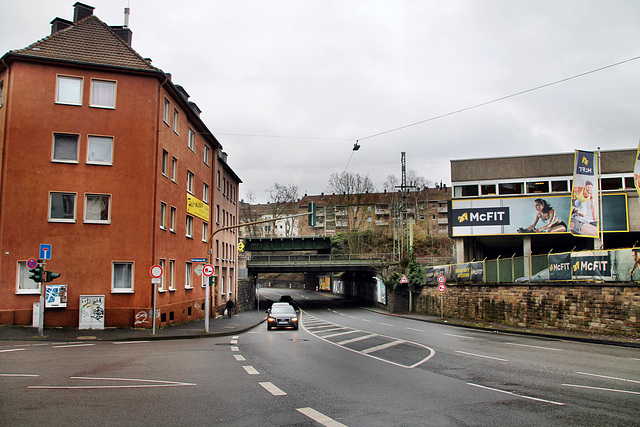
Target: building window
(207, 155)
(173, 219)
(65, 148)
(161, 288)
(611, 183)
(69, 90)
(175, 120)
(218, 180)
(189, 226)
(2, 92)
(205, 232)
(466, 191)
(217, 214)
(172, 269)
(103, 94)
(97, 208)
(559, 186)
(192, 140)
(537, 187)
(487, 189)
(190, 182)
(26, 285)
(165, 159)
(510, 188)
(62, 207)
(100, 150)
(165, 112)
(163, 212)
(187, 276)
(174, 169)
(205, 192)
(122, 278)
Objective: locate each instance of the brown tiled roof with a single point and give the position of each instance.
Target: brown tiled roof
(87, 41)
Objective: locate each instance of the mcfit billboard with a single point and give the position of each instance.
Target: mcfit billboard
(540, 215)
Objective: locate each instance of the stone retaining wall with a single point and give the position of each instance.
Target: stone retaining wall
(603, 309)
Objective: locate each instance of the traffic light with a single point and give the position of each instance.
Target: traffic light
(36, 274)
(50, 275)
(312, 214)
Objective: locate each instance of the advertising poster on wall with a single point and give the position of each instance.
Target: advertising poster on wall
(468, 272)
(540, 215)
(560, 266)
(636, 171)
(55, 296)
(584, 220)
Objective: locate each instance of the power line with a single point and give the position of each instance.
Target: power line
(501, 98)
(283, 136)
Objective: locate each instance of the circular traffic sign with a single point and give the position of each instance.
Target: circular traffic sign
(208, 270)
(155, 271)
(442, 279)
(32, 263)
(442, 287)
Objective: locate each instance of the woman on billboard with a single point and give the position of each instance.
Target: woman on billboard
(546, 216)
(584, 215)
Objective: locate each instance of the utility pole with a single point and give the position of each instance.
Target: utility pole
(402, 239)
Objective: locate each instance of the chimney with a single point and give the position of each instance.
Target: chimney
(59, 24)
(81, 11)
(124, 33)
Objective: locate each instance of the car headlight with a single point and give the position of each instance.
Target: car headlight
(294, 319)
(271, 319)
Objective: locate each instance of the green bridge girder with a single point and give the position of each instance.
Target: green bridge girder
(273, 244)
(311, 263)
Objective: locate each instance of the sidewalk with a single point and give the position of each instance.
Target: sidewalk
(222, 326)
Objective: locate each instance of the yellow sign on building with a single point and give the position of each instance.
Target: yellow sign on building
(197, 207)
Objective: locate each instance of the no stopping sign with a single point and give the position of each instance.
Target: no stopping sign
(442, 287)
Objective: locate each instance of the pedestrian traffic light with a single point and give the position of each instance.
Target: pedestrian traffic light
(50, 275)
(312, 214)
(36, 274)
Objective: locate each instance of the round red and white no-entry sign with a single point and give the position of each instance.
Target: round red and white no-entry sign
(155, 271)
(442, 287)
(208, 270)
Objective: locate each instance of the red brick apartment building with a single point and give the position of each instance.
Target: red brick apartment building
(107, 160)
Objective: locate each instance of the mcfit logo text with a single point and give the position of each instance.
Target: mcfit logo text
(480, 216)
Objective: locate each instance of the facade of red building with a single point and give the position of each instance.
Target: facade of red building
(107, 160)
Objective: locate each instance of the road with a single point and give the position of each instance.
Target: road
(344, 366)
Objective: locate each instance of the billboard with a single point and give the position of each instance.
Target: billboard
(197, 207)
(541, 215)
(636, 171)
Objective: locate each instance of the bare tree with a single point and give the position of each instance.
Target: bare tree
(283, 200)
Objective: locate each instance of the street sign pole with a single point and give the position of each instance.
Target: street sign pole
(156, 271)
(42, 263)
(207, 305)
(155, 297)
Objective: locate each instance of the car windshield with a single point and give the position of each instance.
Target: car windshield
(283, 310)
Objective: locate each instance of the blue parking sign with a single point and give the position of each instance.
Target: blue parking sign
(45, 251)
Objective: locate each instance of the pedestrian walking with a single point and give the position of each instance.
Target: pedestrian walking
(230, 306)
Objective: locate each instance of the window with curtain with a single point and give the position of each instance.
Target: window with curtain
(97, 208)
(62, 207)
(100, 150)
(122, 276)
(26, 285)
(69, 90)
(103, 94)
(65, 148)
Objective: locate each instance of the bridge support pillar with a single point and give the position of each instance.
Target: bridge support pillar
(310, 281)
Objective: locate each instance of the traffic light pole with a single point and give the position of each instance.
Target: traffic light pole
(41, 263)
(207, 308)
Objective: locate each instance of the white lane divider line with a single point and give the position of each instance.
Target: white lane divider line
(459, 336)
(382, 346)
(534, 346)
(483, 356)
(11, 350)
(235, 348)
(516, 395)
(417, 330)
(320, 417)
(272, 389)
(19, 375)
(72, 345)
(608, 378)
(239, 357)
(146, 384)
(363, 337)
(601, 389)
(250, 370)
(386, 324)
(234, 342)
(337, 334)
(235, 337)
(129, 342)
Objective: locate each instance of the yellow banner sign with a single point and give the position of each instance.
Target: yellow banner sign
(197, 207)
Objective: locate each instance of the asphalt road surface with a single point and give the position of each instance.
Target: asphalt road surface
(344, 366)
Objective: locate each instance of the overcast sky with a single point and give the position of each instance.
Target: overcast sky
(288, 86)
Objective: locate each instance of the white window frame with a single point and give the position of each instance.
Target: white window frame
(207, 155)
(205, 192)
(188, 268)
(190, 178)
(172, 224)
(163, 214)
(162, 263)
(192, 140)
(96, 101)
(1, 93)
(205, 231)
(86, 209)
(165, 111)
(189, 226)
(122, 290)
(22, 279)
(172, 271)
(98, 139)
(165, 158)
(63, 97)
(68, 220)
(174, 169)
(176, 117)
(53, 148)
